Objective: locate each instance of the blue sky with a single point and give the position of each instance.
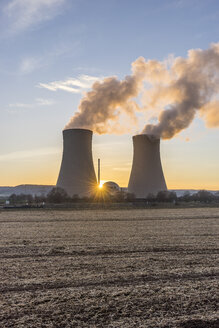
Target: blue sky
(52, 51)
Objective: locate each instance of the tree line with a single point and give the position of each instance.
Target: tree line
(58, 195)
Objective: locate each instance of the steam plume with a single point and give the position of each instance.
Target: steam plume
(191, 85)
(179, 88)
(102, 107)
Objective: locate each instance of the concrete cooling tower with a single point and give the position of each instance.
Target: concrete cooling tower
(77, 175)
(146, 174)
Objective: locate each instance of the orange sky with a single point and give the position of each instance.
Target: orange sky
(186, 165)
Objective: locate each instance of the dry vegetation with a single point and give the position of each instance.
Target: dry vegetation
(118, 268)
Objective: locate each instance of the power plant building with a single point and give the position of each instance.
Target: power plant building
(146, 175)
(77, 175)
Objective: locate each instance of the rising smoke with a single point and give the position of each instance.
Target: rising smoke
(175, 91)
(102, 107)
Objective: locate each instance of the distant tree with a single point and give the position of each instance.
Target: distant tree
(130, 197)
(119, 196)
(186, 197)
(13, 198)
(173, 197)
(161, 196)
(57, 195)
(29, 199)
(85, 199)
(75, 198)
(21, 198)
(150, 197)
(166, 196)
(40, 199)
(216, 196)
(203, 196)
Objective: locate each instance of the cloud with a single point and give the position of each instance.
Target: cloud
(24, 154)
(23, 14)
(180, 4)
(44, 102)
(29, 64)
(174, 90)
(83, 82)
(37, 102)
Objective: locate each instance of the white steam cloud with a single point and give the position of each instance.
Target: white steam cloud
(102, 107)
(178, 89)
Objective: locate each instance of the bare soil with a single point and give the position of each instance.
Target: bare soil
(109, 268)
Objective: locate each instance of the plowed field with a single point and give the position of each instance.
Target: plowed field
(112, 268)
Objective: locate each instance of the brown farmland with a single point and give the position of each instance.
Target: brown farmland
(109, 268)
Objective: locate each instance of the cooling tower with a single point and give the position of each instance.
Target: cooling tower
(146, 174)
(77, 175)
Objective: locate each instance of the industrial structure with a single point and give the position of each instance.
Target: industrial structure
(98, 172)
(77, 175)
(146, 175)
(111, 187)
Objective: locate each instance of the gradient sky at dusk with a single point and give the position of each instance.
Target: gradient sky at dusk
(52, 51)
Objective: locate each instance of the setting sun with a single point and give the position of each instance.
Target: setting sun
(101, 184)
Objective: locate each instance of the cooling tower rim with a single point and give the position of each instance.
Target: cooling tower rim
(76, 129)
(150, 137)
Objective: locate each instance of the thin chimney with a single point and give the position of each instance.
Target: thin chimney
(98, 171)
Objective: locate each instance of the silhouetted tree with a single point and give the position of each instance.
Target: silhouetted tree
(150, 197)
(203, 196)
(13, 199)
(75, 198)
(130, 197)
(21, 198)
(40, 199)
(186, 197)
(119, 196)
(166, 196)
(57, 195)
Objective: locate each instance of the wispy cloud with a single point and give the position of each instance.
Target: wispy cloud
(24, 154)
(181, 4)
(25, 13)
(37, 102)
(31, 63)
(44, 102)
(78, 85)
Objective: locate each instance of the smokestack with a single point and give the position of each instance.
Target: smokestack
(98, 171)
(77, 175)
(146, 174)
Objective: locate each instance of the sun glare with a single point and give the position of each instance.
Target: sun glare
(101, 184)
